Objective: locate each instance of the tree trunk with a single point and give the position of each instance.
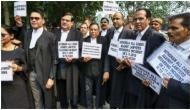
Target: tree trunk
(6, 13)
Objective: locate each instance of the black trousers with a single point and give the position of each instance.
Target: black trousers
(91, 82)
(62, 94)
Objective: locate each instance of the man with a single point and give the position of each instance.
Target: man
(19, 31)
(157, 25)
(116, 75)
(129, 23)
(67, 72)
(104, 26)
(179, 33)
(137, 95)
(93, 70)
(41, 59)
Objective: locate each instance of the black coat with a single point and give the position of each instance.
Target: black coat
(95, 66)
(69, 71)
(146, 98)
(117, 78)
(179, 95)
(45, 58)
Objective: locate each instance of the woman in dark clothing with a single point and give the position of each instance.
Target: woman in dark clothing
(16, 93)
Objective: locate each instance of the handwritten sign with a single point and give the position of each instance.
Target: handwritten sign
(143, 73)
(110, 7)
(68, 49)
(132, 49)
(6, 71)
(20, 8)
(113, 49)
(91, 50)
(167, 63)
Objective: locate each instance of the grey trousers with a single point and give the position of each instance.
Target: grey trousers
(43, 98)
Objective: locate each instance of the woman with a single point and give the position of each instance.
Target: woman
(14, 94)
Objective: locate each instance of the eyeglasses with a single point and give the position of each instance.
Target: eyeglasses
(3, 34)
(36, 18)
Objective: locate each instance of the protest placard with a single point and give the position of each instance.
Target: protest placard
(143, 73)
(20, 8)
(6, 71)
(132, 49)
(110, 7)
(113, 49)
(167, 63)
(68, 49)
(91, 50)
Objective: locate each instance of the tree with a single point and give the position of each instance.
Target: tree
(160, 9)
(55, 9)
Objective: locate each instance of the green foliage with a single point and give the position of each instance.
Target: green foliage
(160, 9)
(55, 9)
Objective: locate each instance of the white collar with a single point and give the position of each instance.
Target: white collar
(39, 30)
(120, 29)
(143, 31)
(62, 31)
(186, 44)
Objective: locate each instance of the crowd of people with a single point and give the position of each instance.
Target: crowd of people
(41, 77)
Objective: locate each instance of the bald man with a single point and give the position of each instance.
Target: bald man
(113, 66)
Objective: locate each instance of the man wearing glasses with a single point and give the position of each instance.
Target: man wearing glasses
(41, 61)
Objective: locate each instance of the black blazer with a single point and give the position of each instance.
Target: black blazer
(62, 68)
(109, 60)
(45, 62)
(108, 31)
(94, 67)
(179, 94)
(145, 95)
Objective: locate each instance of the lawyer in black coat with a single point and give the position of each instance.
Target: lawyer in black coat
(137, 95)
(93, 70)
(41, 61)
(116, 77)
(67, 76)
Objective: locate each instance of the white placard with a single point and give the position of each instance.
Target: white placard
(20, 8)
(143, 74)
(113, 48)
(132, 49)
(110, 7)
(167, 63)
(91, 50)
(68, 49)
(6, 71)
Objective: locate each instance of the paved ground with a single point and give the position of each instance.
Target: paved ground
(106, 106)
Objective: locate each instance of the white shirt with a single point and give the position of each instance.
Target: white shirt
(117, 33)
(87, 34)
(184, 50)
(64, 35)
(93, 41)
(139, 37)
(35, 36)
(104, 32)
